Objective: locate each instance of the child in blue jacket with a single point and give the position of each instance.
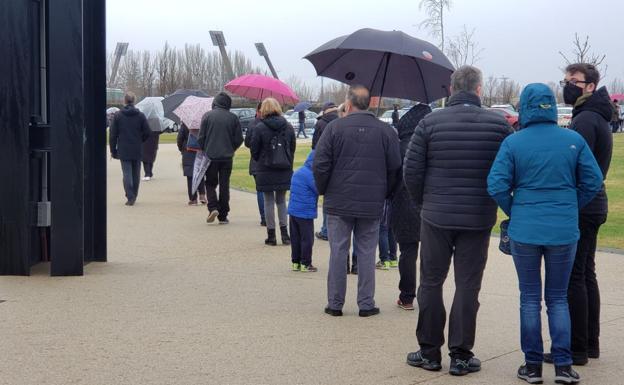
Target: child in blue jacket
(302, 209)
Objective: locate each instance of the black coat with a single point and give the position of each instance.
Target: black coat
(253, 164)
(356, 165)
(128, 131)
(405, 215)
(320, 125)
(267, 178)
(591, 120)
(188, 157)
(220, 134)
(448, 160)
(150, 147)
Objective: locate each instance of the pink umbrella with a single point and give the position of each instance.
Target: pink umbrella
(192, 110)
(618, 97)
(258, 87)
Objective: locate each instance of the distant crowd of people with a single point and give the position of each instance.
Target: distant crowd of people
(431, 182)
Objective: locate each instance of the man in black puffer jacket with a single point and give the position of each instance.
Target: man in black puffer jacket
(356, 164)
(220, 136)
(590, 118)
(128, 131)
(446, 168)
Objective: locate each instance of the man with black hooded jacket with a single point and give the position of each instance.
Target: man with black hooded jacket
(220, 135)
(590, 117)
(128, 131)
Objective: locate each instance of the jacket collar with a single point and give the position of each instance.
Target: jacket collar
(362, 113)
(463, 97)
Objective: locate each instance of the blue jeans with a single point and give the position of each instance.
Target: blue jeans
(260, 198)
(387, 244)
(558, 262)
(324, 226)
(302, 130)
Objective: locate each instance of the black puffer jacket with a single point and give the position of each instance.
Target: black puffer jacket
(405, 215)
(128, 131)
(448, 160)
(356, 165)
(188, 157)
(220, 133)
(322, 122)
(267, 178)
(591, 120)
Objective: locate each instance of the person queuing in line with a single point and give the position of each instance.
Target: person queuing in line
(405, 215)
(188, 165)
(395, 116)
(357, 160)
(148, 157)
(253, 164)
(129, 129)
(220, 135)
(330, 113)
(301, 129)
(446, 167)
(273, 146)
(590, 118)
(302, 210)
(542, 175)
(615, 118)
(387, 243)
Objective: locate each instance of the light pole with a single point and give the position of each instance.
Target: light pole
(120, 50)
(263, 52)
(218, 40)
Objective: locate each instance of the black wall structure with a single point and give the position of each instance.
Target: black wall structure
(52, 135)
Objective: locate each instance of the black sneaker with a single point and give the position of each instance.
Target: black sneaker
(224, 221)
(576, 360)
(369, 312)
(320, 236)
(531, 373)
(461, 367)
(354, 270)
(416, 359)
(566, 375)
(333, 312)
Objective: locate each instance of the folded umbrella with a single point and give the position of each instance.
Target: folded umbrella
(302, 106)
(388, 63)
(259, 87)
(192, 110)
(173, 101)
(202, 162)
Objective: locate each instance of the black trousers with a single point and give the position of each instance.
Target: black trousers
(189, 186)
(131, 170)
(148, 167)
(407, 271)
(469, 252)
(301, 240)
(583, 292)
(219, 173)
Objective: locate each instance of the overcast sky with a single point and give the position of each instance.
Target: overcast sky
(520, 38)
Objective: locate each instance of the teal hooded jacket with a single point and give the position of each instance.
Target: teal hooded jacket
(543, 174)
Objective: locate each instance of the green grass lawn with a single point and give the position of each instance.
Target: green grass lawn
(611, 233)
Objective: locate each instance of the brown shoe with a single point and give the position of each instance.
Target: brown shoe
(405, 306)
(212, 216)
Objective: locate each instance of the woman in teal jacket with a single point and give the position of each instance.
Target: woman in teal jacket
(541, 177)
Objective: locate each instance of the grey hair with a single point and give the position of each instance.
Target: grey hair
(130, 97)
(466, 78)
(359, 96)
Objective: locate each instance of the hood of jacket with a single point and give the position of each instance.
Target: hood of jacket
(537, 105)
(275, 122)
(330, 115)
(599, 102)
(222, 100)
(130, 110)
(310, 160)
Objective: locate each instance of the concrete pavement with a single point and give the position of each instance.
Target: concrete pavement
(183, 302)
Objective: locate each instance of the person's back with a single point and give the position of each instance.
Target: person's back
(303, 194)
(129, 129)
(220, 134)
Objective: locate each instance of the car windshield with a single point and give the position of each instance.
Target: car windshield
(564, 110)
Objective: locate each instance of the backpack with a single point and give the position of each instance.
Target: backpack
(279, 155)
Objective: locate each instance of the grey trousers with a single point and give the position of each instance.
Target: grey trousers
(366, 236)
(272, 199)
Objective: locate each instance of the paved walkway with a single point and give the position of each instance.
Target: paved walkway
(183, 302)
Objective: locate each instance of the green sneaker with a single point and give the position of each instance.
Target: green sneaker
(383, 265)
(394, 264)
(296, 267)
(308, 269)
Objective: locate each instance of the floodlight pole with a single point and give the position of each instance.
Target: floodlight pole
(218, 40)
(120, 50)
(263, 52)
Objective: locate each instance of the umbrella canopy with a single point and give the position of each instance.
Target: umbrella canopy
(112, 110)
(389, 63)
(192, 110)
(618, 97)
(302, 106)
(153, 110)
(258, 87)
(171, 102)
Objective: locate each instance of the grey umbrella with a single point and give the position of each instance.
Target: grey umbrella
(389, 63)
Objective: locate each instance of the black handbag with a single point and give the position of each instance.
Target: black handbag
(504, 245)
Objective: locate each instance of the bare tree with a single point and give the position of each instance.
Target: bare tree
(556, 90)
(490, 87)
(303, 90)
(435, 17)
(463, 49)
(130, 72)
(148, 74)
(508, 92)
(168, 72)
(616, 86)
(335, 92)
(581, 53)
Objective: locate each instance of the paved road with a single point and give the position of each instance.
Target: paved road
(183, 302)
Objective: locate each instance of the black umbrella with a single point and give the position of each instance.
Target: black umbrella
(389, 63)
(173, 101)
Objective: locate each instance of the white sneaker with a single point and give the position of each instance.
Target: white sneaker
(146, 178)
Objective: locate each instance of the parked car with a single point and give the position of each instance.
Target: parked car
(386, 117)
(293, 118)
(508, 107)
(245, 115)
(511, 116)
(564, 116)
